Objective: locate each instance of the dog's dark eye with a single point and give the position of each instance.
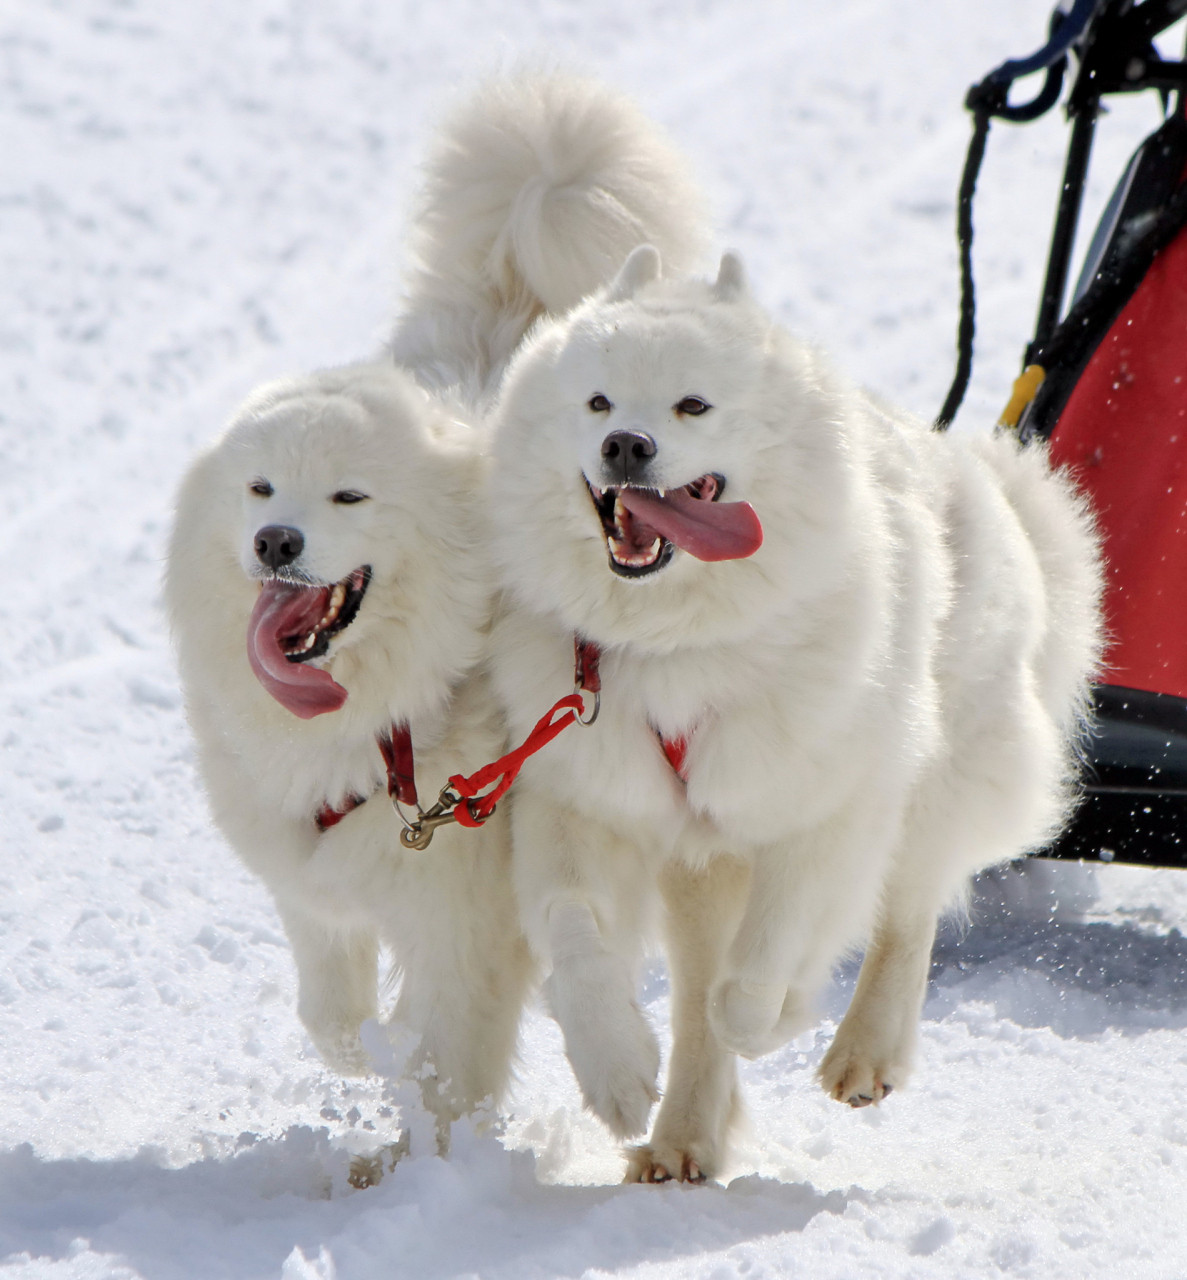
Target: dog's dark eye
(261, 488)
(694, 406)
(344, 497)
(599, 404)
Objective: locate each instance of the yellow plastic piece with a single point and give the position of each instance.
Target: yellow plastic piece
(1026, 387)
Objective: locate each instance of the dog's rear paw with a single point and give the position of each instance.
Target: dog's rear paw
(854, 1076)
(649, 1163)
(753, 1018)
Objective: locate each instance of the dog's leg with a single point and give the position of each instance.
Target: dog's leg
(975, 809)
(702, 1101)
(466, 971)
(337, 987)
(609, 1044)
(584, 898)
(809, 899)
(874, 1047)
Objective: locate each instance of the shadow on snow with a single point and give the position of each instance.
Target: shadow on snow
(242, 1215)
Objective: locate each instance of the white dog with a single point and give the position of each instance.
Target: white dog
(844, 663)
(329, 591)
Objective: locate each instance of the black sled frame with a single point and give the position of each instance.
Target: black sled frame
(1135, 777)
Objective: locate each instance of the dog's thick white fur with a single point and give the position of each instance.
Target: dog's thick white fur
(883, 698)
(538, 186)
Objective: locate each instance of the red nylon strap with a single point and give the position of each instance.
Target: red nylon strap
(327, 817)
(676, 749)
(587, 656)
(506, 769)
(396, 749)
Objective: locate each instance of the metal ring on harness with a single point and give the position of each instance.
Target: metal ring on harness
(597, 706)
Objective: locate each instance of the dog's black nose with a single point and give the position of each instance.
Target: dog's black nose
(278, 545)
(625, 455)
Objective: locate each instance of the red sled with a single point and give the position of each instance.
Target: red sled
(1105, 382)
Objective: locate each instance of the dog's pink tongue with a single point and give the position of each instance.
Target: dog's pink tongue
(281, 612)
(707, 530)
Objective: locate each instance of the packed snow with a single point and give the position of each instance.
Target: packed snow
(198, 197)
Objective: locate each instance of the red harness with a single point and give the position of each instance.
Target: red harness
(396, 749)
(676, 749)
(459, 800)
(588, 657)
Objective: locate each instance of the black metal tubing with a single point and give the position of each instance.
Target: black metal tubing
(1120, 56)
(1112, 39)
(1067, 217)
(1143, 830)
(1145, 21)
(1117, 57)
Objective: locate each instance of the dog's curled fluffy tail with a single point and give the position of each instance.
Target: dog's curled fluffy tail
(536, 189)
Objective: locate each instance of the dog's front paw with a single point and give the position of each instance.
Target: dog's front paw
(617, 1073)
(611, 1047)
(855, 1072)
(753, 1018)
(648, 1164)
(656, 1162)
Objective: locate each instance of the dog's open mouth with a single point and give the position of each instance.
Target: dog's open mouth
(292, 624)
(643, 527)
(325, 612)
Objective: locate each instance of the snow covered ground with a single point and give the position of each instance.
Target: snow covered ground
(196, 197)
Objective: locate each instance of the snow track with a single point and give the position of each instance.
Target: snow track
(196, 197)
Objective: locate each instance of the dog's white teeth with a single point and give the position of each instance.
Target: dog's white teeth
(337, 596)
(663, 493)
(310, 641)
(634, 561)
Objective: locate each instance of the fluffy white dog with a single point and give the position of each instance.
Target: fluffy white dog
(329, 590)
(844, 663)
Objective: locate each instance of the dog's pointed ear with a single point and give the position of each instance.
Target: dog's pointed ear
(641, 267)
(731, 283)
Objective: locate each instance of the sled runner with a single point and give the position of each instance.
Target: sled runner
(1105, 382)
